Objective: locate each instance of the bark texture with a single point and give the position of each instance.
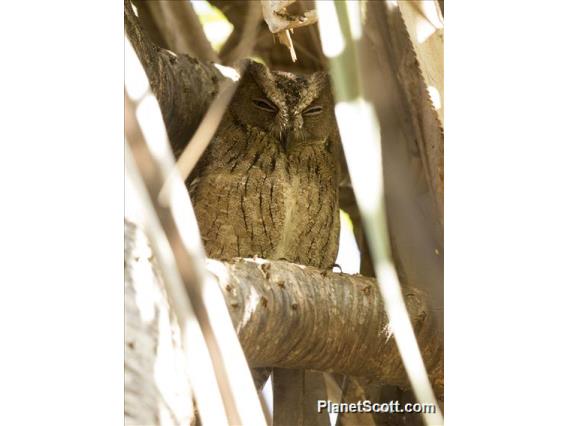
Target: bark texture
(154, 390)
(294, 316)
(412, 144)
(184, 86)
(286, 316)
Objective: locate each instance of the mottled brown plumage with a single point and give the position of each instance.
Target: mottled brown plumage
(268, 183)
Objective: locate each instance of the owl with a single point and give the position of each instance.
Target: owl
(267, 185)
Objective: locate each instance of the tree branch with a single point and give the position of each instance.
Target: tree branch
(293, 316)
(184, 86)
(415, 227)
(246, 18)
(175, 26)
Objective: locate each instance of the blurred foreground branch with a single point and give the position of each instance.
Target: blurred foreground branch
(156, 383)
(363, 152)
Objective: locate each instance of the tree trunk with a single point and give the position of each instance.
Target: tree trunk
(156, 385)
(184, 86)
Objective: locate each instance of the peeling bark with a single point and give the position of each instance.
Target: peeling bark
(243, 14)
(415, 225)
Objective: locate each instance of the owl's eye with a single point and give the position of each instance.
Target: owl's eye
(313, 110)
(264, 105)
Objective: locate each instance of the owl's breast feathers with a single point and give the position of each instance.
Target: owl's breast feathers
(253, 199)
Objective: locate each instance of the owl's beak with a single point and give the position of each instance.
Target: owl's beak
(288, 140)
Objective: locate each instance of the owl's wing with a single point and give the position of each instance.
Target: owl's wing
(192, 180)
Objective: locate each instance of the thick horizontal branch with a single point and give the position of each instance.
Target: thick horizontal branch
(292, 316)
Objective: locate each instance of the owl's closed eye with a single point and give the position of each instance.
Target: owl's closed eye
(295, 111)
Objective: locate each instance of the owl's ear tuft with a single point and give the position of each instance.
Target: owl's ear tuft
(255, 69)
(321, 76)
(321, 80)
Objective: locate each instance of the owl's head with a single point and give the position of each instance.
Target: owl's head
(295, 110)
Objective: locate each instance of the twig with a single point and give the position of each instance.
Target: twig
(281, 23)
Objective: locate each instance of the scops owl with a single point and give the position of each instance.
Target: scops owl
(267, 185)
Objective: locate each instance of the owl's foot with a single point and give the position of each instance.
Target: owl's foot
(337, 265)
(330, 268)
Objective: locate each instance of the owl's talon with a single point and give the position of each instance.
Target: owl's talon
(337, 265)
